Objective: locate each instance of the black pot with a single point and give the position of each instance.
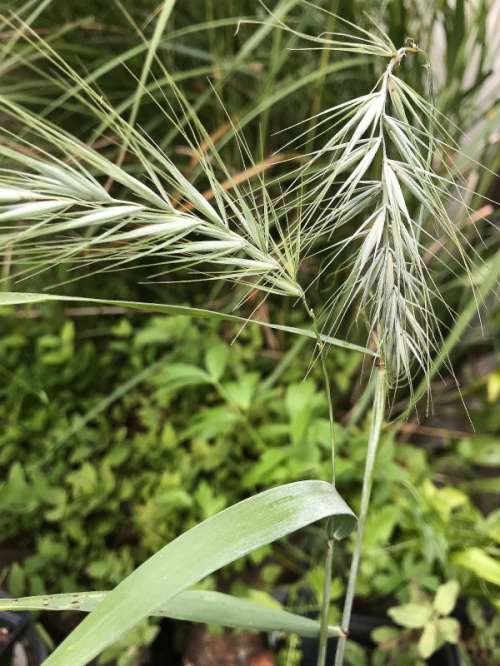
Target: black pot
(360, 630)
(19, 635)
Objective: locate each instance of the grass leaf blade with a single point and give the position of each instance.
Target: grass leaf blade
(221, 539)
(19, 298)
(192, 605)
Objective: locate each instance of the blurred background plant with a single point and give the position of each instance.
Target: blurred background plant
(102, 458)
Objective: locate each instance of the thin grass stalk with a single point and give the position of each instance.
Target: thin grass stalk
(324, 369)
(325, 607)
(152, 48)
(379, 402)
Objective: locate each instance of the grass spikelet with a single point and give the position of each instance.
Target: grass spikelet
(59, 211)
(389, 132)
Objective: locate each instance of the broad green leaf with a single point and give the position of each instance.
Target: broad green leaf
(234, 532)
(428, 642)
(19, 298)
(412, 616)
(480, 563)
(446, 597)
(192, 605)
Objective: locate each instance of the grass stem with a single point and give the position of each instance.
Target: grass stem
(325, 609)
(322, 360)
(374, 437)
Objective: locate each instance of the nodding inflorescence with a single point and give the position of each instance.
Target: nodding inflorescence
(375, 168)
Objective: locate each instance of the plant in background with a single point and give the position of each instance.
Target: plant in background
(429, 617)
(374, 171)
(484, 645)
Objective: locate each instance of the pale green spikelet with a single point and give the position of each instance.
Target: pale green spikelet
(389, 132)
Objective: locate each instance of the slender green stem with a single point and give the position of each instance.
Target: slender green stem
(376, 426)
(153, 45)
(325, 609)
(361, 406)
(322, 360)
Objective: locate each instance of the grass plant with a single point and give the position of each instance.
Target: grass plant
(369, 186)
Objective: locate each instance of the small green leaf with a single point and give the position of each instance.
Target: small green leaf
(16, 580)
(493, 387)
(262, 598)
(380, 525)
(315, 577)
(210, 422)
(17, 480)
(209, 502)
(492, 524)
(242, 391)
(449, 628)
(475, 614)
(50, 494)
(216, 360)
(446, 597)
(480, 563)
(428, 642)
(181, 374)
(385, 635)
(413, 616)
(300, 402)
(355, 655)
